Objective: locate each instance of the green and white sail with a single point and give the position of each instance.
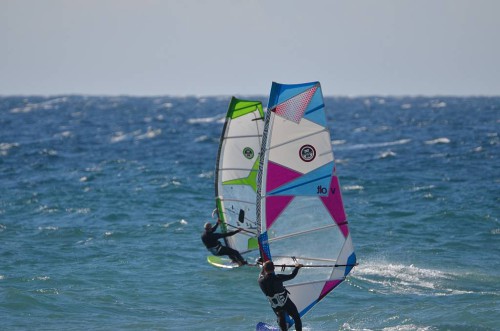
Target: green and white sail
(236, 172)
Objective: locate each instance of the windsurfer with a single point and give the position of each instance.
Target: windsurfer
(272, 286)
(211, 241)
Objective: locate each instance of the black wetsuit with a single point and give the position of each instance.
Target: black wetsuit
(272, 286)
(211, 241)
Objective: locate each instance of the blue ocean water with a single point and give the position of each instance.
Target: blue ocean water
(102, 202)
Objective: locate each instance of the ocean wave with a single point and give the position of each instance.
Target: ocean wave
(443, 140)
(388, 278)
(206, 174)
(206, 120)
(44, 105)
(150, 133)
(375, 145)
(386, 154)
(182, 222)
(202, 138)
(48, 228)
(6, 147)
(438, 104)
(119, 137)
(352, 188)
(338, 142)
(403, 327)
(420, 188)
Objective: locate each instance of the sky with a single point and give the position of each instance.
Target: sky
(239, 47)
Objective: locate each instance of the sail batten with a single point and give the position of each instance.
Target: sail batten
(302, 232)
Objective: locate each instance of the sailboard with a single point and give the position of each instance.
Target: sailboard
(236, 175)
(300, 213)
(221, 262)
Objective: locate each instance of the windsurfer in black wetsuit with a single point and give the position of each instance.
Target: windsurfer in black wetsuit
(272, 286)
(211, 241)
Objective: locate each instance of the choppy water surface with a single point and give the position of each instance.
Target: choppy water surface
(102, 201)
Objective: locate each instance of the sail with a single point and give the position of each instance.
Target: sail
(300, 212)
(236, 172)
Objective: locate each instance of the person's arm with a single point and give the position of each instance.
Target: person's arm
(232, 233)
(284, 277)
(224, 235)
(215, 226)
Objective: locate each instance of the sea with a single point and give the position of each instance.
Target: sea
(103, 200)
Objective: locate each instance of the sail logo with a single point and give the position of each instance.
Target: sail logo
(307, 153)
(323, 190)
(248, 153)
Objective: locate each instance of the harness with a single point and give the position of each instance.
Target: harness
(278, 300)
(215, 250)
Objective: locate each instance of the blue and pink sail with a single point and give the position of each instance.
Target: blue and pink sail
(300, 214)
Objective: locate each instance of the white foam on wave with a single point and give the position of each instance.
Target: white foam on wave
(386, 154)
(360, 129)
(47, 209)
(44, 105)
(352, 188)
(78, 210)
(201, 139)
(376, 145)
(438, 104)
(118, 137)
(149, 134)
(422, 188)
(48, 228)
(407, 327)
(404, 327)
(205, 119)
(6, 147)
(180, 222)
(64, 134)
(388, 278)
(442, 140)
(206, 174)
(167, 105)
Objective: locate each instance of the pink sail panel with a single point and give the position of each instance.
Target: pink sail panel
(329, 286)
(274, 206)
(278, 175)
(293, 109)
(333, 202)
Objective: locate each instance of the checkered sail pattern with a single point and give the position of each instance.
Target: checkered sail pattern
(293, 109)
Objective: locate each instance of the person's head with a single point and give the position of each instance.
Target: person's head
(208, 226)
(268, 267)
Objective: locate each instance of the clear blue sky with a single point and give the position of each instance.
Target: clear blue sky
(238, 47)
